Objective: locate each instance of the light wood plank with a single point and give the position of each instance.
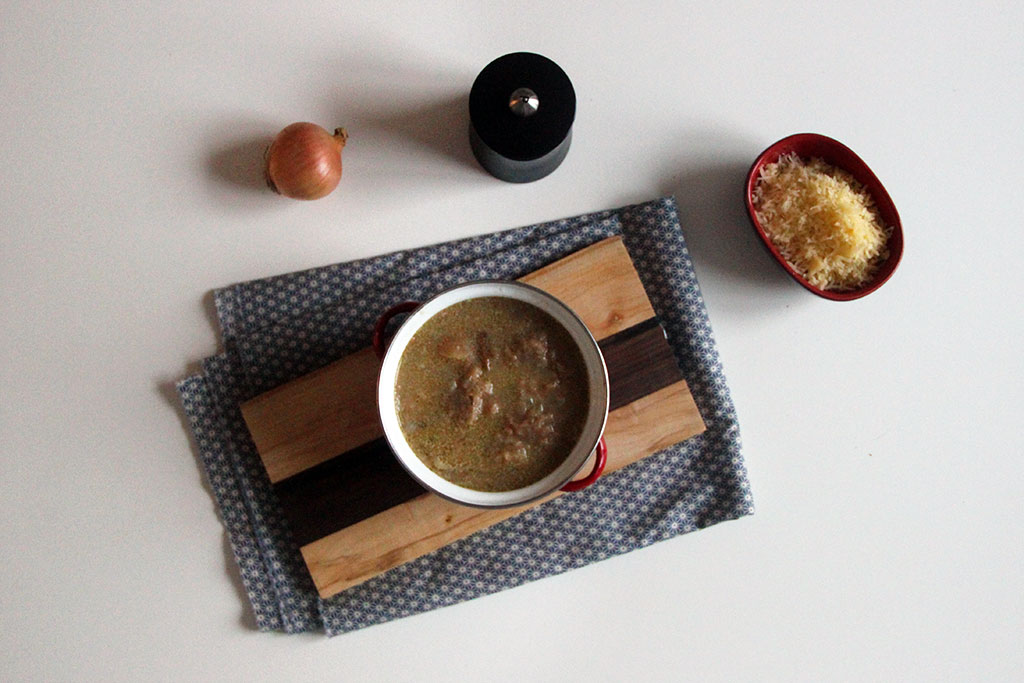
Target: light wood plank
(316, 417)
(600, 284)
(357, 553)
(333, 410)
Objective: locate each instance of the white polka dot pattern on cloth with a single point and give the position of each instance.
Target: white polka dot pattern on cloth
(283, 327)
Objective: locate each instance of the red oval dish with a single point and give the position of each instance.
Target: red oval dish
(810, 145)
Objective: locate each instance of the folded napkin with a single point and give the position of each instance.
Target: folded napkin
(280, 328)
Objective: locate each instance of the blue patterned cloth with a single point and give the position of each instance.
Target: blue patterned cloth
(280, 328)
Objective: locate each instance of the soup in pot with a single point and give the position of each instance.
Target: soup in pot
(492, 393)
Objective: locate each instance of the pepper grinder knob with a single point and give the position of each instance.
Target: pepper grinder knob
(523, 102)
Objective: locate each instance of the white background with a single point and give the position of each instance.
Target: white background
(882, 437)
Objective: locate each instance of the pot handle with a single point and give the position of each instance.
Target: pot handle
(599, 463)
(379, 345)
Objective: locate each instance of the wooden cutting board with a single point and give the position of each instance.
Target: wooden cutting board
(352, 508)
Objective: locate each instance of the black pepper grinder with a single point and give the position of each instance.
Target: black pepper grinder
(521, 111)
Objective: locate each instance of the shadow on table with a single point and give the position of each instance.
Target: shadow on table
(168, 390)
(712, 212)
(414, 121)
(239, 162)
(439, 128)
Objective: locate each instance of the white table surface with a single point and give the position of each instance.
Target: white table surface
(882, 437)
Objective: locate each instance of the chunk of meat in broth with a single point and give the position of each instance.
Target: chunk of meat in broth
(532, 427)
(537, 389)
(472, 394)
(454, 349)
(513, 454)
(485, 350)
(529, 348)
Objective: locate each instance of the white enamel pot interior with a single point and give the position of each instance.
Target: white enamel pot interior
(597, 376)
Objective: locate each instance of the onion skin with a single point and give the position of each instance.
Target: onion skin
(304, 161)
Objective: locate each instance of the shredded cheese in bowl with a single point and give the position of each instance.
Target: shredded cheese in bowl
(822, 221)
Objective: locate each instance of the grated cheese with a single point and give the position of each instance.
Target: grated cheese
(822, 221)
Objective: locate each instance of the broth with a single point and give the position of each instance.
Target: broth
(492, 393)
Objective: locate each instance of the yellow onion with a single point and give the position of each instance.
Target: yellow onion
(304, 161)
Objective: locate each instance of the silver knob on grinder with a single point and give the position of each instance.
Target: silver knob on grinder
(523, 102)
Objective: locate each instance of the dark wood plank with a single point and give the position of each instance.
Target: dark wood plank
(640, 362)
(344, 490)
(367, 480)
